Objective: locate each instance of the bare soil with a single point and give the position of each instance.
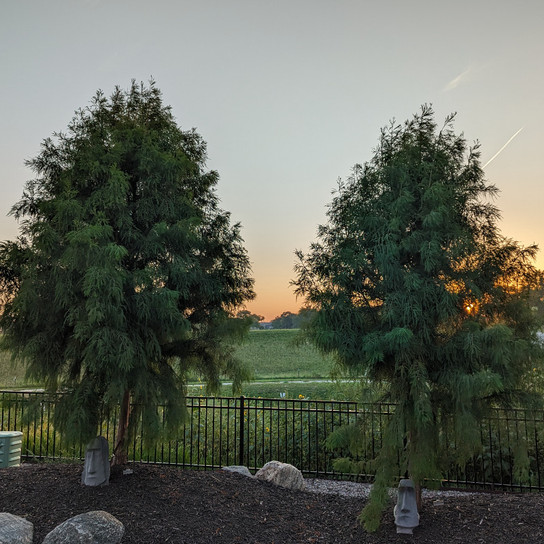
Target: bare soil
(164, 504)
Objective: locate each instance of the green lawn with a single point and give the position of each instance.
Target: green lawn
(11, 375)
(273, 357)
(281, 368)
(273, 354)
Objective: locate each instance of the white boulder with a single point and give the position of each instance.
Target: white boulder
(282, 474)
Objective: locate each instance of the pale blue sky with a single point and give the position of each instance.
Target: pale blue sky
(289, 96)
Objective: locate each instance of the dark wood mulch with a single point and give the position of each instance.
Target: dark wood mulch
(162, 504)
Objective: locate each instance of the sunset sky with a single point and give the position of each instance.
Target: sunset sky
(289, 95)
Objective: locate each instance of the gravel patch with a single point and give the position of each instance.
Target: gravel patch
(362, 490)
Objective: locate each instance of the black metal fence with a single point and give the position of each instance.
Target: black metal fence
(224, 431)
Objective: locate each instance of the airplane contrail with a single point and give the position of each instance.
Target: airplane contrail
(455, 82)
(502, 148)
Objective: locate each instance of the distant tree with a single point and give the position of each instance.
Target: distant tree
(253, 320)
(417, 290)
(126, 272)
(287, 320)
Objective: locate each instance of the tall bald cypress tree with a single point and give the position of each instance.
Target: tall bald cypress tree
(417, 290)
(126, 271)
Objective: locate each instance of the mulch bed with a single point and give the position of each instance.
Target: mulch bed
(164, 504)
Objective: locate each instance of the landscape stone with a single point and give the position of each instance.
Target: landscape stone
(241, 469)
(282, 474)
(15, 530)
(96, 527)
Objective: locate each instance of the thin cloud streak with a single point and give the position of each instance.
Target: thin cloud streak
(502, 148)
(457, 80)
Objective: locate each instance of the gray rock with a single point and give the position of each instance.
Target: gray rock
(282, 474)
(97, 527)
(15, 530)
(240, 469)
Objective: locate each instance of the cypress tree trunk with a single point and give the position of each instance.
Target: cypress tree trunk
(120, 452)
(419, 502)
(417, 483)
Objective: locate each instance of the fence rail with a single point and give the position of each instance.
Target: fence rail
(222, 431)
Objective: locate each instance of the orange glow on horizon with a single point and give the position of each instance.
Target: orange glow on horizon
(277, 296)
(272, 304)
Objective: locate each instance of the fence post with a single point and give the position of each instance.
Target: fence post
(241, 431)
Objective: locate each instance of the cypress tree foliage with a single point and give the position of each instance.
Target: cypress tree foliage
(126, 272)
(418, 292)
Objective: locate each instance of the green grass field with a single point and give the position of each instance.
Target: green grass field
(274, 354)
(280, 368)
(11, 375)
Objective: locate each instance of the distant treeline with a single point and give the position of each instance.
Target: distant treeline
(287, 320)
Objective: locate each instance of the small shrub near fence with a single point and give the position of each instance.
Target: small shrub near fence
(223, 431)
